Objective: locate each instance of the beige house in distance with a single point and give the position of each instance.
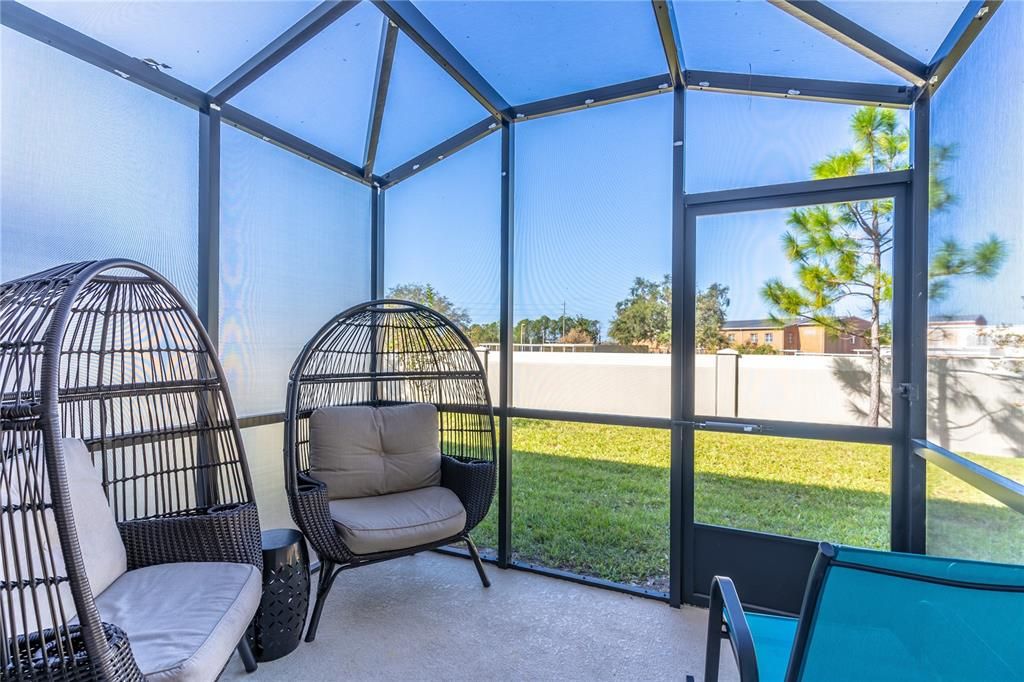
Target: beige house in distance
(799, 337)
(957, 331)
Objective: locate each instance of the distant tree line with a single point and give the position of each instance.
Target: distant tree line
(644, 318)
(544, 329)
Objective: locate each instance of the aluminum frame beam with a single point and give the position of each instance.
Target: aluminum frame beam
(1006, 490)
(419, 29)
(385, 60)
(322, 16)
(439, 152)
(28, 22)
(844, 92)
(282, 138)
(893, 96)
(670, 41)
(823, 18)
(783, 194)
(972, 20)
(585, 99)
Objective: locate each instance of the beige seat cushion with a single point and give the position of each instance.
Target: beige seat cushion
(38, 547)
(362, 451)
(387, 523)
(183, 620)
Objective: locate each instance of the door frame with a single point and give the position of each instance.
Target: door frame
(782, 562)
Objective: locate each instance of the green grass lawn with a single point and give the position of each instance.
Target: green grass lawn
(594, 499)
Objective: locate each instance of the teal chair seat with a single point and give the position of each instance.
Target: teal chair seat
(773, 640)
(873, 616)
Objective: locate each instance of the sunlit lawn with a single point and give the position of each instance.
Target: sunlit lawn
(595, 499)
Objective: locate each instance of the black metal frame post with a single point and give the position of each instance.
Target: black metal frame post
(208, 290)
(681, 471)
(376, 243)
(208, 307)
(508, 157)
(918, 327)
(903, 389)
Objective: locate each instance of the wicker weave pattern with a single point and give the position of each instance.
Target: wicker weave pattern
(51, 666)
(230, 534)
(310, 511)
(388, 353)
(473, 482)
(108, 352)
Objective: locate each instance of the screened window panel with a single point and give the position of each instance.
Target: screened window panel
(592, 499)
(976, 244)
(295, 251)
(201, 42)
(82, 179)
(812, 489)
(322, 92)
(263, 453)
(752, 36)
(759, 359)
(737, 141)
(534, 50)
(917, 27)
(443, 242)
(425, 106)
(964, 522)
(593, 214)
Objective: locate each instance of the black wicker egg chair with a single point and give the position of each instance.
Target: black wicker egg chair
(389, 355)
(125, 493)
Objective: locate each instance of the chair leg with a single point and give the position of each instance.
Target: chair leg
(245, 653)
(476, 561)
(323, 587)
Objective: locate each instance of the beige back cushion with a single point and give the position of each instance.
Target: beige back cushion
(98, 537)
(31, 549)
(365, 451)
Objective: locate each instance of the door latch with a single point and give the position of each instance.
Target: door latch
(907, 392)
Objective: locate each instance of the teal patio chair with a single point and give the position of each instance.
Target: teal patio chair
(871, 615)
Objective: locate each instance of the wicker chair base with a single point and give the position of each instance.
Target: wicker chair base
(38, 658)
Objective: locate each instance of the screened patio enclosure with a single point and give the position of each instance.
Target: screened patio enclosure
(582, 186)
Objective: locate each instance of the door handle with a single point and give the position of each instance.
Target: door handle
(736, 427)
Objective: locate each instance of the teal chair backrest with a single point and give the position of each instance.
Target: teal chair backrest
(883, 615)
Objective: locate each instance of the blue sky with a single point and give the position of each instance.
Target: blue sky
(592, 191)
(592, 187)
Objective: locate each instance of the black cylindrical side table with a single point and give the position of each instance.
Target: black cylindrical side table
(277, 628)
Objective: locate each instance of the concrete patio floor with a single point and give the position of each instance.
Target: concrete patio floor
(427, 617)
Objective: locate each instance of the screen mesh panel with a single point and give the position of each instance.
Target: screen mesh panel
(976, 248)
(295, 251)
(593, 247)
(93, 167)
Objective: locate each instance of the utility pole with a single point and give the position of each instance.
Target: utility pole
(563, 321)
